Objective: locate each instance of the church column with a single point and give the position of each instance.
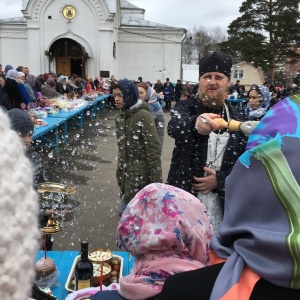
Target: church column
(35, 52)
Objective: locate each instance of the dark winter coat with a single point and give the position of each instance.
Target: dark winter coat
(178, 91)
(158, 88)
(190, 151)
(14, 93)
(139, 161)
(60, 88)
(168, 93)
(4, 99)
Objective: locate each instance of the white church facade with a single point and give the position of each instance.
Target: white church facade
(91, 37)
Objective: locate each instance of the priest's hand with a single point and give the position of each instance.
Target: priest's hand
(205, 123)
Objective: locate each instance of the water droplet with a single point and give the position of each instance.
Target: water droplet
(50, 154)
(135, 137)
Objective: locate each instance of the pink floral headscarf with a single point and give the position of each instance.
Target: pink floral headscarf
(169, 231)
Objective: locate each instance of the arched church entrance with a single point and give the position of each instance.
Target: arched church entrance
(70, 57)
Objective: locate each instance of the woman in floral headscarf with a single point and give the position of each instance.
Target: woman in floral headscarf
(257, 253)
(168, 231)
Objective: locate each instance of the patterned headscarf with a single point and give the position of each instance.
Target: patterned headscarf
(260, 232)
(168, 231)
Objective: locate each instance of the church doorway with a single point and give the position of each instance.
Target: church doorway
(70, 57)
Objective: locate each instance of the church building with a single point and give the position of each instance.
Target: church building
(91, 37)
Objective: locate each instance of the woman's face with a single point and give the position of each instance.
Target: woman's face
(254, 99)
(142, 93)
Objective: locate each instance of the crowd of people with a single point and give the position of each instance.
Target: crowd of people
(226, 223)
(18, 87)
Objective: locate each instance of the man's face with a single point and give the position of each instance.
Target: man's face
(119, 101)
(213, 88)
(25, 70)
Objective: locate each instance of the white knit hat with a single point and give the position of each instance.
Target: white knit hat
(18, 216)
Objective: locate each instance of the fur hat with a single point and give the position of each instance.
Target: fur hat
(215, 62)
(21, 122)
(130, 92)
(19, 217)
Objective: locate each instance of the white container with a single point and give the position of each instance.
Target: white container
(72, 271)
(235, 94)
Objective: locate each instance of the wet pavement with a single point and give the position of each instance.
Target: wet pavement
(88, 162)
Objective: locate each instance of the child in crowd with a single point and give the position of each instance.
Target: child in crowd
(139, 162)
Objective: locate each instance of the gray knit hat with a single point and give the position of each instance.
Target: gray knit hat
(21, 122)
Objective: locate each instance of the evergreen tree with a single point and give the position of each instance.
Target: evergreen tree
(266, 33)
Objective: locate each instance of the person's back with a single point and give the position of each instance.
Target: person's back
(259, 245)
(20, 80)
(168, 231)
(13, 91)
(29, 86)
(5, 101)
(48, 90)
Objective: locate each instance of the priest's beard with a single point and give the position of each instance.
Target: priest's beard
(213, 101)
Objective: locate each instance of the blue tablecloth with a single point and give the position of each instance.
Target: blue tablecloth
(237, 102)
(64, 261)
(61, 119)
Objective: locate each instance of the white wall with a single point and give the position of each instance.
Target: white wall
(150, 59)
(13, 47)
